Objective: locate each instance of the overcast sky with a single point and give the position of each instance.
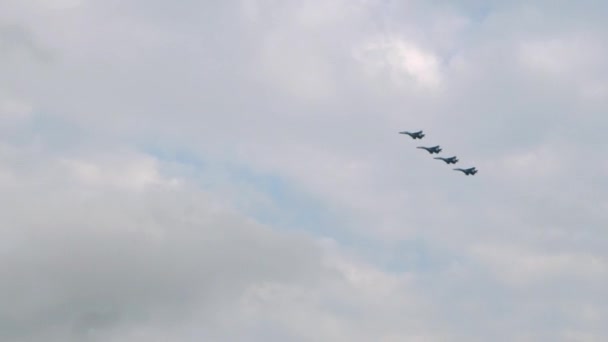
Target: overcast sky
(231, 170)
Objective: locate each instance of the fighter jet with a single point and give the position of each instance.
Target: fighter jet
(431, 150)
(451, 160)
(414, 135)
(469, 171)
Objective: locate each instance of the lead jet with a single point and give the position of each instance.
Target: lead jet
(469, 171)
(431, 150)
(451, 160)
(414, 135)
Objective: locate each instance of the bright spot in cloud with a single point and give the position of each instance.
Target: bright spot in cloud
(400, 58)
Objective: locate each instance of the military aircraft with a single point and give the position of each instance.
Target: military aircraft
(414, 135)
(431, 150)
(469, 171)
(451, 160)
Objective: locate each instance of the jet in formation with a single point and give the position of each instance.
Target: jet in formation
(436, 150)
(414, 135)
(431, 150)
(451, 160)
(469, 171)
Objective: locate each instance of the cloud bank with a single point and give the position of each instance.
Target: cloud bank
(232, 171)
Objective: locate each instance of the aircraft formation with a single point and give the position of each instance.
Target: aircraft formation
(436, 149)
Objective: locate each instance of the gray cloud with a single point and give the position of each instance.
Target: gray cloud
(83, 252)
(314, 92)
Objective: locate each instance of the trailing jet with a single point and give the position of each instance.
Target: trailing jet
(451, 160)
(414, 135)
(431, 150)
(469, 171)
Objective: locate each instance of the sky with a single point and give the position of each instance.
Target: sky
(231, 170)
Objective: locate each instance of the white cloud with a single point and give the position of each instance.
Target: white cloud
(127, 257)
(13, 110)
(539, 162)
(401, 58)
(135, 172)
(292, 68)
(307, 93)
(562, 55)
(575, 58)
(161, 261)
(521, 266)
